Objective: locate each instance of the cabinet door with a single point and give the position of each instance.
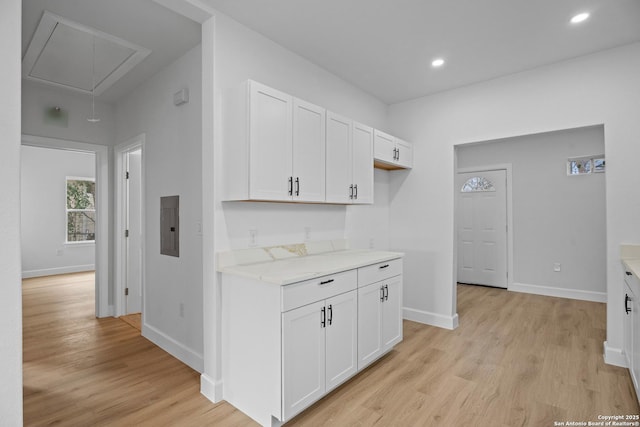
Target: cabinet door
(392, 313)
(270, 143)
(338, 172)
(341, 338)
(308, 152)
(404, 155)
(362, 164)
(635, 342)
(384, 147)
(303, 357)
(369, 323)
(628, 325)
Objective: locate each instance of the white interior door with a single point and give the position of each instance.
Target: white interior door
(134, 226)
(482, 228)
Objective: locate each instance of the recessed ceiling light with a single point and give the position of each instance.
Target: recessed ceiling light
(580, 18)
(439, 62)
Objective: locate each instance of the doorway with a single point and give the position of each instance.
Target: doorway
(130, 226)
(482, 228)
(559, 248)
(101, 263)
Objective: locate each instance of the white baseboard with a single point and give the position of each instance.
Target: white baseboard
(210, 388)
(57, 270)
(173, 347)
(428, 318)
(110, 310)
(614, 356)
(559, 292)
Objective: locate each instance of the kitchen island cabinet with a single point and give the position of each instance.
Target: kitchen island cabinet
(288, 342)
(631, 326)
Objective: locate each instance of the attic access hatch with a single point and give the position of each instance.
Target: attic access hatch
(61, 54)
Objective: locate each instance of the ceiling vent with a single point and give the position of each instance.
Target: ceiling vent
(61, 54)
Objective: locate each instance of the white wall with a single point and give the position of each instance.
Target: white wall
(243, 54)
(43, 215)
(37, 98)
(172, 166)
(367, 226)
(603, 88)
(10, 285)
(556, 218)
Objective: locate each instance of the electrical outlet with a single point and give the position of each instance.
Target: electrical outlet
(557, 266)
(307, 234)
(60, 252)
(199, 228)
(181, 309)
(372, 243)
(253, 233)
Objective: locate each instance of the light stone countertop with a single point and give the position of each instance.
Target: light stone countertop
(300, 267)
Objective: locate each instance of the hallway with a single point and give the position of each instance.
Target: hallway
(80, 370)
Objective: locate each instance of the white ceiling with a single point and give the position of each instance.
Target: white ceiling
(386, 47)
(67, 58)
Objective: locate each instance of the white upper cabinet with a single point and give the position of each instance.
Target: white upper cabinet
(349, 161)
(274, 147)
(270, 143)
(404, 154)
(279, 148)
(362, 164)
(308, 152)
(339, 152)
(391, 152)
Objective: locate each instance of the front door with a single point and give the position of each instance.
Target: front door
(482, 228)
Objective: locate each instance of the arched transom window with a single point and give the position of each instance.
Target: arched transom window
(477, 183)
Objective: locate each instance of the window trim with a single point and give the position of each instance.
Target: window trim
(67, 210)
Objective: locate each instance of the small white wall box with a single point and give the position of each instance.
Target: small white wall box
(170, 226)
(181, 97)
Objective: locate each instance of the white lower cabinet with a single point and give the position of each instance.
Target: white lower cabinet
(285, 347)
(303, 358)
(631, 344)
(628, 325)
(379, 319)
(319, 350)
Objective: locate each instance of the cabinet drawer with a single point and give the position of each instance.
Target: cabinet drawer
(302, 293)
(632, 281)
(377, 272)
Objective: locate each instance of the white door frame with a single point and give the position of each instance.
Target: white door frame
(506, 167)
(120, 152)
(103, 309)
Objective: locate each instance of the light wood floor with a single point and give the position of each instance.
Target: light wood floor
(134, 320)
(515, 360)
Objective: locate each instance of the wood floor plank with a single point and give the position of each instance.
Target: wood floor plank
(515, 360)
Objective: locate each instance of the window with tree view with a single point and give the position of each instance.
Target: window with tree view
(81, 210)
